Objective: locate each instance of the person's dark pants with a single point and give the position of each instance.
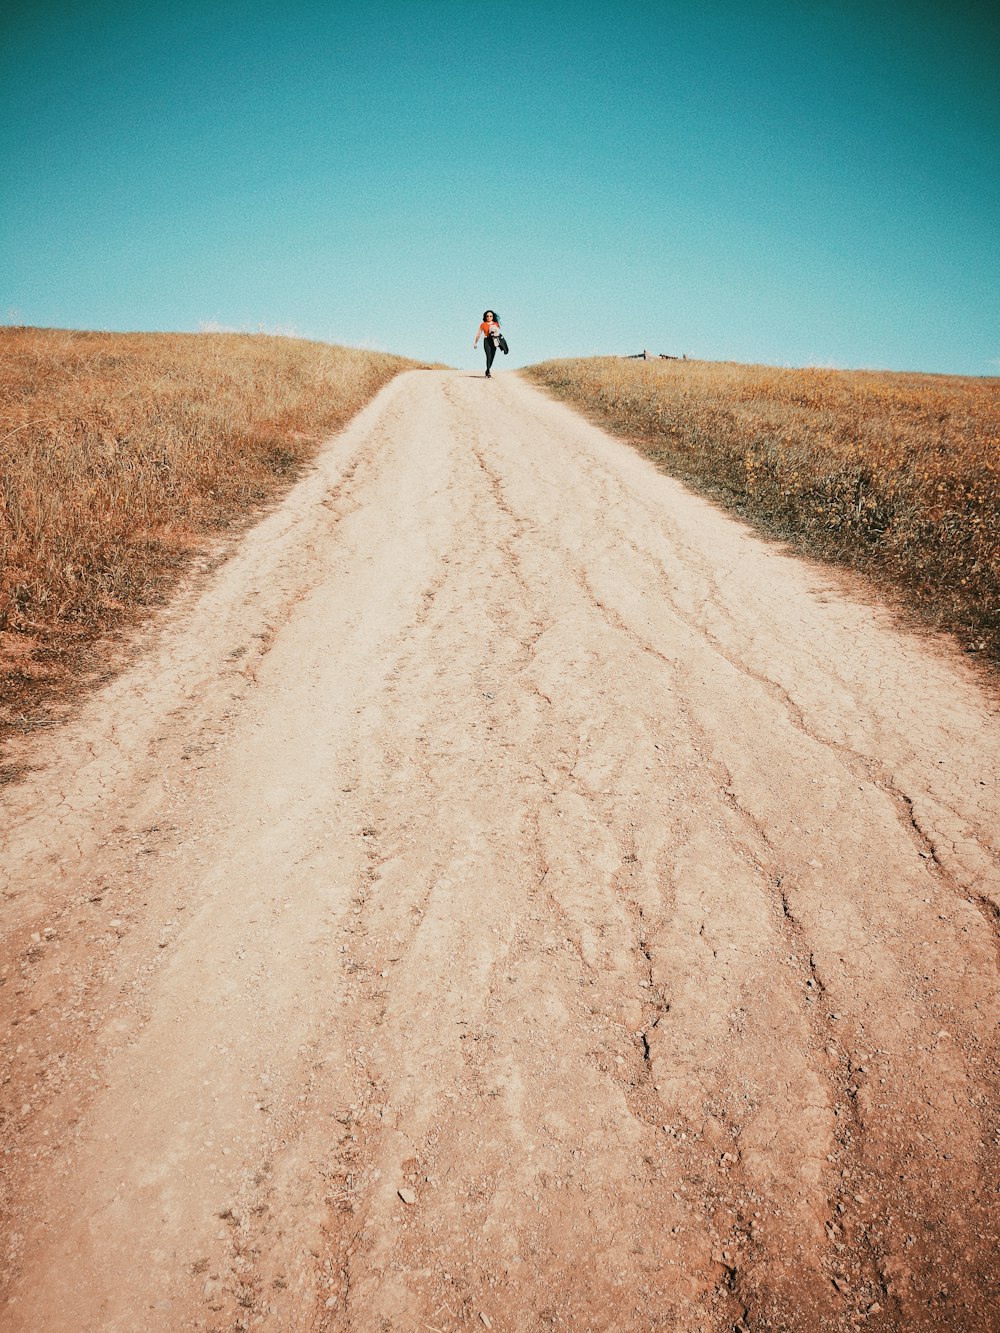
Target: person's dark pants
(491, 351)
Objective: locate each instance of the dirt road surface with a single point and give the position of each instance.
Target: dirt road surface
(505, 894)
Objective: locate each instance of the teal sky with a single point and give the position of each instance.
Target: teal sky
(807, 183)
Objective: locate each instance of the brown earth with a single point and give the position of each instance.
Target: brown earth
(506, 894)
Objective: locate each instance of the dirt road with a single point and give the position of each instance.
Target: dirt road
(506, 894)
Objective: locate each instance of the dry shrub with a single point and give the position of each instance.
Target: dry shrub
(120, 453)
(893, 474)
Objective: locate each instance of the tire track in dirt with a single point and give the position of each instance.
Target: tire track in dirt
(507, 895)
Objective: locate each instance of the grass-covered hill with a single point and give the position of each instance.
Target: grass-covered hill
(121, 453)
(895, 475)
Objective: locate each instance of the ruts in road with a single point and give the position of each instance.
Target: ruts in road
(505, 893)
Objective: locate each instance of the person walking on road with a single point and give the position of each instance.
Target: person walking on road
(489, 331)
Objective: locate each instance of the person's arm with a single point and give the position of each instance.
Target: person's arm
(478, 332)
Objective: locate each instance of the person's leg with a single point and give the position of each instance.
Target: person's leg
(491, 352)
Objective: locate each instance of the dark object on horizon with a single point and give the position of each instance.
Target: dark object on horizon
(652, 356)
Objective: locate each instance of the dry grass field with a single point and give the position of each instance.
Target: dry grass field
(895, 475)
(121, 453)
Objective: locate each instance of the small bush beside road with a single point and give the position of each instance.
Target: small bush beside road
(121, 453)
(895, 475)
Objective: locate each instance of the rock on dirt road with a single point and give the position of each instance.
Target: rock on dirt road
(506, 894)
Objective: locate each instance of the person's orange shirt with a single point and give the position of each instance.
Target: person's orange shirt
(487, 328)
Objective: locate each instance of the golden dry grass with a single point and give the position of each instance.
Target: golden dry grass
(121, 453)
(896, 475)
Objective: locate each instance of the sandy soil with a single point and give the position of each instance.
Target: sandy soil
(506, 894)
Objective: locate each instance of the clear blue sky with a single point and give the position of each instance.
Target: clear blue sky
(800, 183)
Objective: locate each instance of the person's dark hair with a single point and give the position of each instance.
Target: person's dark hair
(488, 311)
